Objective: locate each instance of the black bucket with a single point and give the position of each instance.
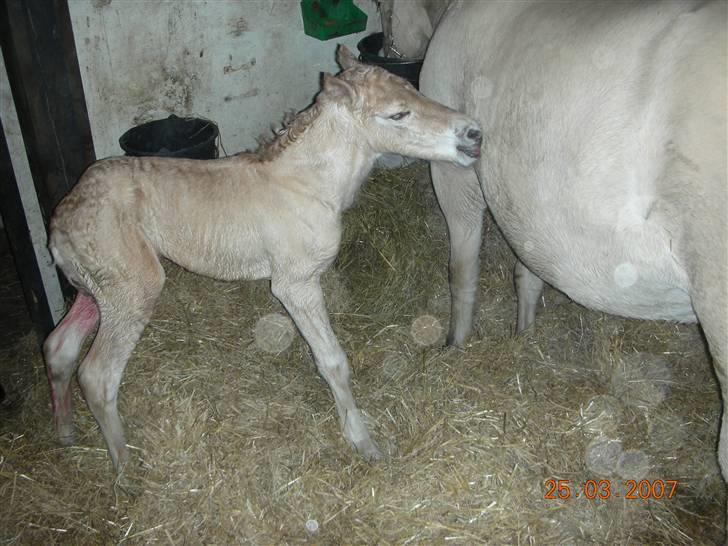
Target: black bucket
(192, 138)
(369, 49)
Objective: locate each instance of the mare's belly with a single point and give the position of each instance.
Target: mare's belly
(630, 272)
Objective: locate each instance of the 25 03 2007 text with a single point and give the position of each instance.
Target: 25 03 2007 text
(606, 489)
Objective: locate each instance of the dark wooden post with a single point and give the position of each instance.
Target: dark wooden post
(40, 58)
(21, 244)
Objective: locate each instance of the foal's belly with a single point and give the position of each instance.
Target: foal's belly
(223, 258)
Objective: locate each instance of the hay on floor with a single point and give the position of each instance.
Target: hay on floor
(235, 438)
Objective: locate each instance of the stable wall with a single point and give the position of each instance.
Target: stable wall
(240, 63)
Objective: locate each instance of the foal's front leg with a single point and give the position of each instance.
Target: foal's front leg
(304, 301)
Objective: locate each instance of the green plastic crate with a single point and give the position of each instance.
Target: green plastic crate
(326, 19)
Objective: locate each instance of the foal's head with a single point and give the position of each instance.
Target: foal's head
(393, 116)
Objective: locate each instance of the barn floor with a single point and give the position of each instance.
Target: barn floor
(235, 438)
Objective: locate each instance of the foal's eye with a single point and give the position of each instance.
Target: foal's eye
(399, 115)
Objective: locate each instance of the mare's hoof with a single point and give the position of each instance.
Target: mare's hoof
(449, 346)
(450, 341)
(524, 331)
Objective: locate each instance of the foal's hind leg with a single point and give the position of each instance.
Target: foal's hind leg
(100, 375)
(528, 289)
(61, 350)
(462, 203)
(305, 302)
(125, 304)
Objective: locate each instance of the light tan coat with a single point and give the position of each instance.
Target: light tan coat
(272, 214)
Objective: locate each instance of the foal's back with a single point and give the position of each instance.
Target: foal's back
(203, 215)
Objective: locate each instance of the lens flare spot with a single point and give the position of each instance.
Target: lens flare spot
(274, 333)
(602, 455)
(481, 88)
(426, 330)
(633, 464)
(642, 379)
(601, 416)
(625, 275)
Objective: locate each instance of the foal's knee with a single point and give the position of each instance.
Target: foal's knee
(59, 356)
(336, 368)
(63, 346)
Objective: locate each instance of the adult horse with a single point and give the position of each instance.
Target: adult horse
(604, 157)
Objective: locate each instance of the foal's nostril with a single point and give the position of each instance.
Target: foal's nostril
(474, 134)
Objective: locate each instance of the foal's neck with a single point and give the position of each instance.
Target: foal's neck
(330, 158)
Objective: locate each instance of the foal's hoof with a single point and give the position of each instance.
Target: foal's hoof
(128, 485)
(369, 451)
(66, 435)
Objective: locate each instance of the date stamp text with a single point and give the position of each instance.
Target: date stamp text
(607, 489)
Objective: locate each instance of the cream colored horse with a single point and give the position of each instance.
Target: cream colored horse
(604, 162)
(271, 214)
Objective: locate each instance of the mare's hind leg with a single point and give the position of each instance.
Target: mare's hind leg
(126, 300)
(462, 203)
(704, 250)
(528, 289)
(710, 302)
(304, 301)
(61, 350)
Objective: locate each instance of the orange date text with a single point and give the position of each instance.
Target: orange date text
(607, 489)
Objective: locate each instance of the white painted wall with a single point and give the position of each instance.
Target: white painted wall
(240, 63)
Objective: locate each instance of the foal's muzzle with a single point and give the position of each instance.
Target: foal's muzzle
(471, 139)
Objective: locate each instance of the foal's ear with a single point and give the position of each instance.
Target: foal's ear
(337, 89)
(345, 58)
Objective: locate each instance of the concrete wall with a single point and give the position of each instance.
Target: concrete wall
(240, 63)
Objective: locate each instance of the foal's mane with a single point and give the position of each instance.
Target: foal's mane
(294, 125)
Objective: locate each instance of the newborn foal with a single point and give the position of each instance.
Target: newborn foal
(275, 213)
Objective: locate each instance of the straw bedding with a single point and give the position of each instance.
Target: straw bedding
(235, 437)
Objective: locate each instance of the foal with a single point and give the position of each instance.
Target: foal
(275, 213)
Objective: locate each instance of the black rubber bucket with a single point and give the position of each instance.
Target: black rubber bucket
(192, 138)
(369, 48)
